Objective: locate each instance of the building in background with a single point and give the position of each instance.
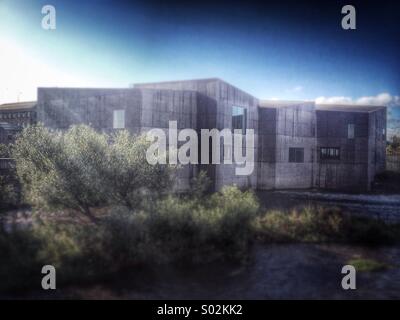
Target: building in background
(14, 117)
(297, 144)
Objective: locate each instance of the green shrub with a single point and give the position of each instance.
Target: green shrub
(81, 169)
(171, 230)
(193, 230)
(9, 196)
(362, 265)
(320, 224)
(199, 185)
(19, 265)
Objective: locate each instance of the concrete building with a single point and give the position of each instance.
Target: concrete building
(14, 117)
(297, 144)
(351, 141)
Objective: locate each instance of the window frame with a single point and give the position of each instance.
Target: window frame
(116, 123)
(243, 126)
(326, 154)
(296, 155)
(351, 128)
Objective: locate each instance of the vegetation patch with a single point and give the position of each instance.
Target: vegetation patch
(171, 230)
(323, 224)
(121, 212)
(361, 264)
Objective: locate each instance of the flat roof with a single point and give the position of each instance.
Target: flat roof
(348, 107)
(282, 103)
(18, 105)
(175, 81)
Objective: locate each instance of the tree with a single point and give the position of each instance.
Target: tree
(395, 142)
(82, 169)
(5, 150)
(131, 177)
(57, 170)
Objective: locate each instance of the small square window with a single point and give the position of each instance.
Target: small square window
(119, 119)
(296, 155)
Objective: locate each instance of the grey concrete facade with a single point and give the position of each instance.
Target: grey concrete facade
(290, 137)
(215, 101)
(285, 125)
(362, 156)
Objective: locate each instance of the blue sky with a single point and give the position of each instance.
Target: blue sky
(279, 49)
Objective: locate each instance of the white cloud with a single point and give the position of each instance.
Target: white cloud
(333, 100)
(382, 99)
(298, 89)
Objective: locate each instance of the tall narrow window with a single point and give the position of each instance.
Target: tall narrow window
(119, 119)
(239, 118)
(350, 131)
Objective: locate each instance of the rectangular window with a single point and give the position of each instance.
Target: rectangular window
(296, 155)
(239, 118)
(350, 131)
(119, 119)
(329, 153)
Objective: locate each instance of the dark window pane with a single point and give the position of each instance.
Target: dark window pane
(239, 118)
(292, 155)
(330, 153)
(296, 154)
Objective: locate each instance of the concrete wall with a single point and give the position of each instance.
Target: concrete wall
(376, 143)
(207, 104)
(295, 129)
(59, 108)
(215, 101)
(266, 148)
(357, 167)
(282, 127)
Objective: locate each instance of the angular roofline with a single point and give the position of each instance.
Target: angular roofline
(214, 79)
(348, 107)
(176, 81)
(281, 103)
(86, 88)
(18, 105)
(112, 89)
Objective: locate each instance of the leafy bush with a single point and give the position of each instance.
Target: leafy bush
(8, 191)
(19, 264)
(368, 265)
(199, 185)
(5, 150)
(82, 169)
(171, 230)
(320, 224)
(201, 231)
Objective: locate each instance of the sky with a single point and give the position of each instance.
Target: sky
(283, 49)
